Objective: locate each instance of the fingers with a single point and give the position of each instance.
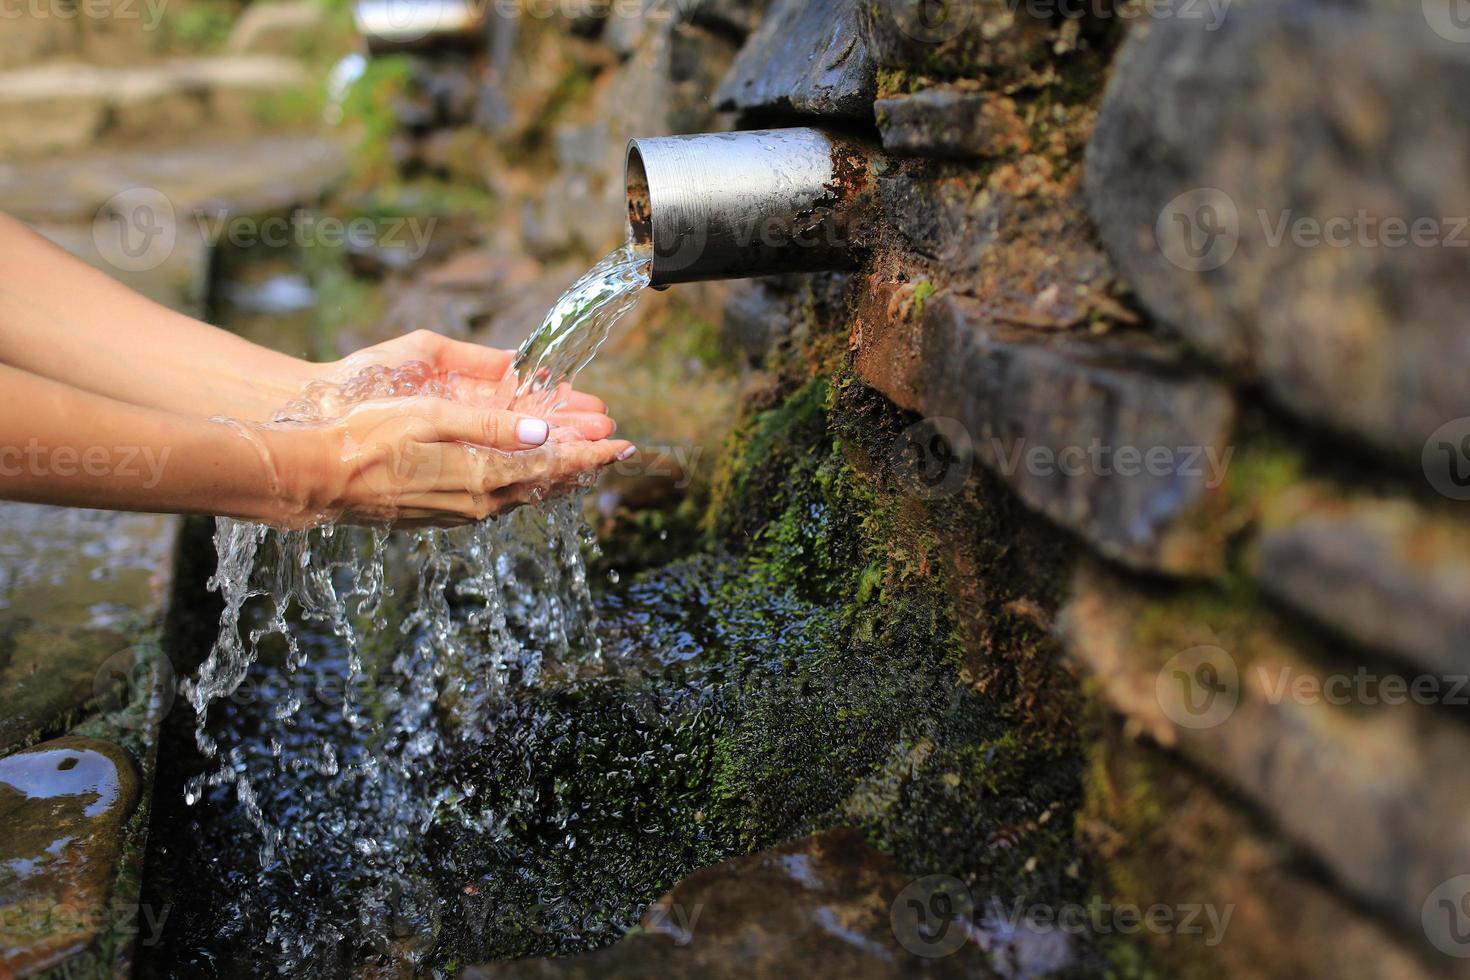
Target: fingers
(473, 360)
(496, 429)
(589, 425)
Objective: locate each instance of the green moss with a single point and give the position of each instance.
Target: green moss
(923, 289)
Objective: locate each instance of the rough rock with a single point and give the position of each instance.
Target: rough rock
(1382, 572)
(809, 58)
(951, 122)
(73, 584)
(1369, 783)
(1109, 437)
(822, 906)
(1018, 240)
(1173, 839)
(998, 38)
(1269, 218)
(62, 808)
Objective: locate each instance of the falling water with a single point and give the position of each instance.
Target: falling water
(436, 626)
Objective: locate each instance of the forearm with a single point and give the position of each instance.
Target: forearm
(60, 445)
(62, 319)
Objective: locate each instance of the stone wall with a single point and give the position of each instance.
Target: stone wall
(1154, 275)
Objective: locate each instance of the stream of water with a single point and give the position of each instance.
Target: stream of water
(419, 636)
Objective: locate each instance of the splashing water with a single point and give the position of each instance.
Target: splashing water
(578, 324)
(436, 625)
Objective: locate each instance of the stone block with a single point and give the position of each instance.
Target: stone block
(1271, 219)
(1109, 437)
(952, 122)
(73, 585)
(809, 58)
(998, 38)
(1369, 783)
(63, 806)
(1161, 835)
(1385, 573)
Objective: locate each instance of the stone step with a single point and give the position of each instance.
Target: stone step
(87, 203)
(67, 107)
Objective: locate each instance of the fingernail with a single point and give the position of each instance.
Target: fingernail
(627, 453)
(532, 432)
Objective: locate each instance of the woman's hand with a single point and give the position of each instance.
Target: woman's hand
(425, 461)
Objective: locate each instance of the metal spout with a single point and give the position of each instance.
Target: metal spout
(734, 205)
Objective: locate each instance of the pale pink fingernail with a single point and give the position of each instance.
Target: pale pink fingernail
(627, 453)
(532, 432)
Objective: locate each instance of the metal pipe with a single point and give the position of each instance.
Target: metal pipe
(733, 205)
(395, 24)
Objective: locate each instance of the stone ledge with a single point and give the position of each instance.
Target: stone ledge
(66, 107)
(808, 58)
(1385, 573)
(239, 176)
(1374, 792)
(1020, 390)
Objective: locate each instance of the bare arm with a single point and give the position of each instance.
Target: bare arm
(405, 461)
(62, 319)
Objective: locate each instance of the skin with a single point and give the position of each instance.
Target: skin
(95, 379)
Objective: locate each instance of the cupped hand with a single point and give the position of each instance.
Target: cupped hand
(427, 461)
(471, 373)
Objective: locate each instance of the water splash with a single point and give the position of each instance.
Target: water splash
(437, 627)
(578, 324)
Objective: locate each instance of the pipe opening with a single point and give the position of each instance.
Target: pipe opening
(640, 208)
